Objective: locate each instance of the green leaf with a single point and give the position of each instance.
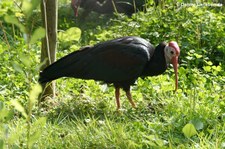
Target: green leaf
(189, 57)
(191, 9)
(34, 93)
(19, 107)
(208, 63)
(40, 122)
(1, 144)
(29, 5)
(1, 105)
(223, 145)
(38, 34)
(33, 138)
(14, 20)
(72, 34)
(217, 68)
(197, 123)
(207, 68)
(189, 130)
(197, 55)
(25, 60)
(17, 67)
(4, 114)
(1, 49)
(11, 19)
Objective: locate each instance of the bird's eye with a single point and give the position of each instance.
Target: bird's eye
(171, 52)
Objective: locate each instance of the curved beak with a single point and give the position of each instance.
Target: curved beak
(175, 67)
(174, 61)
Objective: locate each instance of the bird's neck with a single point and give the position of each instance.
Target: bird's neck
(168, 60)
(157, 64)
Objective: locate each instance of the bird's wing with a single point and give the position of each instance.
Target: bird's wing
(112, 61)
(64, 66)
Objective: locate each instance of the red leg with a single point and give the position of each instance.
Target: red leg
(129, 96)
(117, 94)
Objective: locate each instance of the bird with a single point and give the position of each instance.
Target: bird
(119, 61)
(108, 6)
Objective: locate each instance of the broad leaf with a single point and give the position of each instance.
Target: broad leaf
(29, 5)
(38, 34)
(72, 34)
(197, 123)
(14, 20)
(35, 91)
(19, 107)
(189, 130)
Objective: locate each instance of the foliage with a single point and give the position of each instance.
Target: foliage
(23, 68)
(204, 28)
(83, 114)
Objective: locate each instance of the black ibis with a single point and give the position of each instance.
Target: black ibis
(108, 6)
(120, 62)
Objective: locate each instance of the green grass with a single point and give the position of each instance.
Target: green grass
(90, 119)
(83, 114)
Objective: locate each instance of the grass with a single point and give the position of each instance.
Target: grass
(83, 114)
(89, 119)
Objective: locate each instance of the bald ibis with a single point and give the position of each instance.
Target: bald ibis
(120, 62)
(108, 6)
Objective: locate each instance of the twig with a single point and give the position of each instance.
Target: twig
(46, 30)
(5, 37)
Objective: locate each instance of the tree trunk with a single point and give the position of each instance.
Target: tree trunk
(49, 45)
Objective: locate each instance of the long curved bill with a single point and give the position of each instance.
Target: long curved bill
(174, 61)
(175, 67)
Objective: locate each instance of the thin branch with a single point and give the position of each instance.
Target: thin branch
(46, 30)
(18, 5)
(5, 37)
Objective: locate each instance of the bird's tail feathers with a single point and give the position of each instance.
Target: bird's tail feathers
(62, 67)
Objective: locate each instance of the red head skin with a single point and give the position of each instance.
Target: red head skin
(174, 61)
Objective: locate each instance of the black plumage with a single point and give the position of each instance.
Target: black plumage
(120, 61)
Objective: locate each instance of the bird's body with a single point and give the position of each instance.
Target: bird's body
(120, 61)
(108, 6)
